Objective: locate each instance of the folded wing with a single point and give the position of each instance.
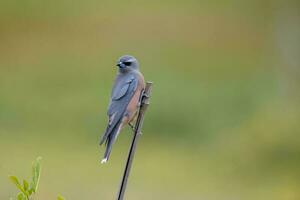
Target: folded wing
(122, 93)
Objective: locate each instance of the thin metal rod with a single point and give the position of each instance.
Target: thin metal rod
(137, 133)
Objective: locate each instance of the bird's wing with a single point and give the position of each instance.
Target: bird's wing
(122, 93)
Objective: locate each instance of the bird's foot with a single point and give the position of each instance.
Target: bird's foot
(133, 128)
(146, 95)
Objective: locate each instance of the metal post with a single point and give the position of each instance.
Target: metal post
(137, 133)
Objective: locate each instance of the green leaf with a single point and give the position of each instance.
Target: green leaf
(25, 185)
(59, 197)
(36, 172)
(15, 181)
(30, 191)
(21, 196)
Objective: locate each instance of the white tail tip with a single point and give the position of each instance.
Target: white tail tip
(104, 160)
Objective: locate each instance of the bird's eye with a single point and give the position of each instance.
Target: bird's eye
(127, 63)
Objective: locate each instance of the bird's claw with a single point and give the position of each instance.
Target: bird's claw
(146, 95)
(133, 128)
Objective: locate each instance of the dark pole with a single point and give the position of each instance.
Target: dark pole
(137, 133)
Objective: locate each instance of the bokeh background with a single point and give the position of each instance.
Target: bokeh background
(224, 117)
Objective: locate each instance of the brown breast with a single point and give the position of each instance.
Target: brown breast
(133, 104)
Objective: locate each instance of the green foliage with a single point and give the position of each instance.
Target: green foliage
(15, 181)
(28, 190)
(21, 196)
(60, 198)
(36, 170)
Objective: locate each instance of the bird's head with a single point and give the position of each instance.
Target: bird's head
(127, 63)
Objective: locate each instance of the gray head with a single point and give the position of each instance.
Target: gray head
(127, 63)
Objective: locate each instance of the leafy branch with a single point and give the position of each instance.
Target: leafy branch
(28, 190)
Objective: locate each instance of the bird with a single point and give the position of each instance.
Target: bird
(126, 94)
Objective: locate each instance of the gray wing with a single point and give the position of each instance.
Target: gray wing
(122, 93)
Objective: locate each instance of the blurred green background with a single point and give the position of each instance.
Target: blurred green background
(224, 117)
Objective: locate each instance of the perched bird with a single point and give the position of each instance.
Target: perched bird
(124, 102)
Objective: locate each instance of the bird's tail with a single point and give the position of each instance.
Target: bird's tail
(111, 138)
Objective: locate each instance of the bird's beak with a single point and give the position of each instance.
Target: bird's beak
(121, 65)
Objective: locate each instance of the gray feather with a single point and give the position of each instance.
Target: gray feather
(123, 90)
(121, 86)
(110, 140)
